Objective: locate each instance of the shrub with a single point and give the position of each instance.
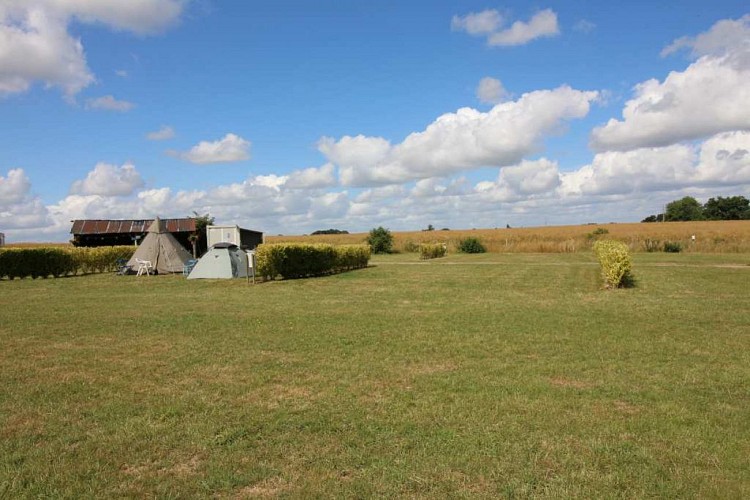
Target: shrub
(614, 259)
(471, 245)
(432, 250)
(411, 247)
(672, 247)
(299, 260)
(651, 245)
(599, 231)
(380, 240)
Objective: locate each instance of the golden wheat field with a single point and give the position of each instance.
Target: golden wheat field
(710, 236)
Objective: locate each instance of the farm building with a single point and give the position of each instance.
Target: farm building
(99, 233)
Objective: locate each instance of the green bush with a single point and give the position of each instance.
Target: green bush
(380, 240)
(614, 259)
(672, 247)
(599, 231)
(300, 260)
(432, 250)
(471, 245)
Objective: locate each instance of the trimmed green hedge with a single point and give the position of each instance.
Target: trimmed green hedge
(614, 259)
(432, 250)
(100, 259)
(42, 262)
(300, 260)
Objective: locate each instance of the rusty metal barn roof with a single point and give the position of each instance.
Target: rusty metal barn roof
(99, 226)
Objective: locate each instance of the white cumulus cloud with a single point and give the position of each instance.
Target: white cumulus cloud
(312, 178)
(542, 24)
(464, 140)
(489, 23)
(527, 179)
(108, 103)
(14, 187)
(19, 209)
(109, 180)
(723, 38)
(710, 96)
(230, 148)
(478, 23)
(35, 45)
(163, 134)
(491, 91)
(722, 160)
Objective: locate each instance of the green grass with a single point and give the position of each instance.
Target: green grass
(470, 376)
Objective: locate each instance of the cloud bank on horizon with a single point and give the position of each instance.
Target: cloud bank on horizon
(511, 157)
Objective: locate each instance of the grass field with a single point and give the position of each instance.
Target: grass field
(493, 375)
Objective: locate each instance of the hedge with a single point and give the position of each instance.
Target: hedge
(614, 259)
(300, 260)
(59, 261)
(431, 250)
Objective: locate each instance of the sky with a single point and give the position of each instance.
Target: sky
(290, 116)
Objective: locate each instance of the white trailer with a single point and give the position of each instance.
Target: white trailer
(243, 238)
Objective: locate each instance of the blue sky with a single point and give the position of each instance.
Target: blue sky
(291, 116)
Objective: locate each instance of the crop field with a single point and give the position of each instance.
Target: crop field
(710, 236)
(507, 375)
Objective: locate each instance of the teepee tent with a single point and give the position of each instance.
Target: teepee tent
(223, 260)
(162, 249)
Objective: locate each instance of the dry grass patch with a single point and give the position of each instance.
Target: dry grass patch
(570, 383)
(267, 488)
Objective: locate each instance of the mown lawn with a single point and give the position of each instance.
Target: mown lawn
(469, 376)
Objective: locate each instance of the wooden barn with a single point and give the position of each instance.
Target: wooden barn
(100, 233)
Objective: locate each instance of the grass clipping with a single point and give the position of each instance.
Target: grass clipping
(614, 259)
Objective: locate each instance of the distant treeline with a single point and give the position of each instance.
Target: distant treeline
(719, 208)
(330, 231)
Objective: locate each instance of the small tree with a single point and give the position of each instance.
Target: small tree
(198, 238)
(380, 240)
(688, 208)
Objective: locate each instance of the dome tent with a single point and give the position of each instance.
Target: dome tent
(223, 260)
(162, 249)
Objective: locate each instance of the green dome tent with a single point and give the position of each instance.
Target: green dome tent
(223, 260)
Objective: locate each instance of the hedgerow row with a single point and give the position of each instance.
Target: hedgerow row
(55, 261)
(298, 260)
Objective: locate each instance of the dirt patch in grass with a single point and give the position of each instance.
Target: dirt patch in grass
(277, 395)
(626, 408)
(418, 369)
(570, 383)
(184, 468)
(21, 425)
(265, 489)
